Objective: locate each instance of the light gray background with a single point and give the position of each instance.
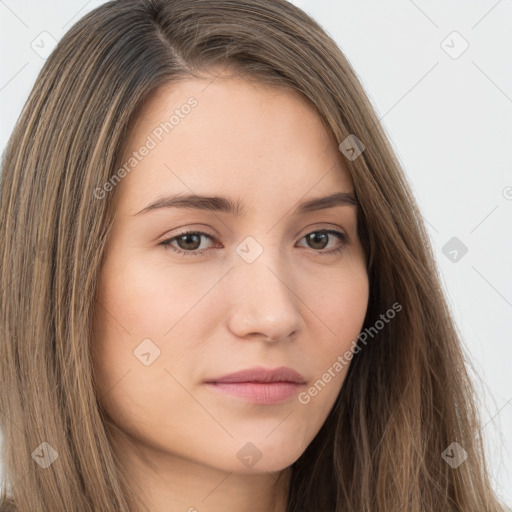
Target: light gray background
(449, 120)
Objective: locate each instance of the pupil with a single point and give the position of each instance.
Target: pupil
(187, 237)
(314, 236)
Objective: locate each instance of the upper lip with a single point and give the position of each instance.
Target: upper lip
(261, 374)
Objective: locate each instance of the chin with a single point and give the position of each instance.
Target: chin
(262, 456)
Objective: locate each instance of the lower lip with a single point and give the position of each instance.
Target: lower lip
(266, 393)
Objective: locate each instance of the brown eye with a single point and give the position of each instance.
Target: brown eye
(318, 240)
(188, 243)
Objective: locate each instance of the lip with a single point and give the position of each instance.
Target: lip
(260, 385)
(261, 374)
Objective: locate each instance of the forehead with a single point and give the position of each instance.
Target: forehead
(216, 135)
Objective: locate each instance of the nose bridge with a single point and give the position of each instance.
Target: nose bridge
(264, 302)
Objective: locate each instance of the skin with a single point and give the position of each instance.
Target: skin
(213, 314)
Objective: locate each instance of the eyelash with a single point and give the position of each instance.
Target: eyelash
(167, 243)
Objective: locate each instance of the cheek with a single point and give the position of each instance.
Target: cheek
(133, 312)
(147, 299)
(340, 309)
(348, 317)
(146, 313)
(340, 301)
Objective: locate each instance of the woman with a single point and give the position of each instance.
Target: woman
(253, 369)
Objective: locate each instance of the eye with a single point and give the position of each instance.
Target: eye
(189, 242)
(321, 238)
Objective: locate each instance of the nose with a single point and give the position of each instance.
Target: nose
(265, 304)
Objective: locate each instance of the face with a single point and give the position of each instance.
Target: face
(273, 285)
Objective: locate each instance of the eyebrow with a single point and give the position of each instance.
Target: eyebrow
(225, 205)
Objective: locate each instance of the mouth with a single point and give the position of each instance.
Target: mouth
(260, 385)
(258, 392)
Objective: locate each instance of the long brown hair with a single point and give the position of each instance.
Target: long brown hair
(407, 395)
